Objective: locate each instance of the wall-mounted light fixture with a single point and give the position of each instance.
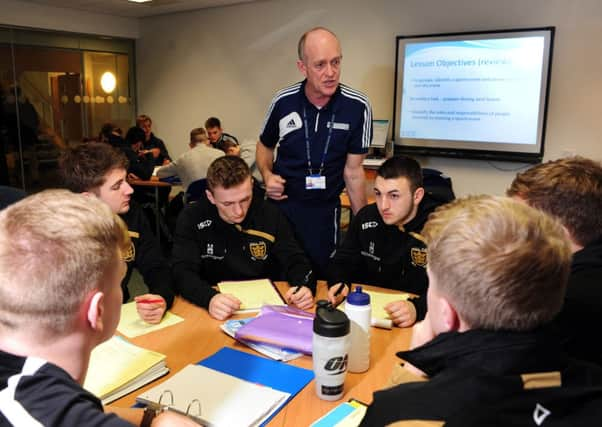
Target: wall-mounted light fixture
(108, 82)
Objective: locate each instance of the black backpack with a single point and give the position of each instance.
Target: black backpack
(437, 185)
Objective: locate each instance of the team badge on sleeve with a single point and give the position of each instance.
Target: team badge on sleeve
(258, 250)
(418, 257)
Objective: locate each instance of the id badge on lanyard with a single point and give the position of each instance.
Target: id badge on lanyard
(315, 182)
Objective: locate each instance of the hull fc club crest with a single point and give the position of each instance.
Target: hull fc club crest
(418, 257)
(258, 250)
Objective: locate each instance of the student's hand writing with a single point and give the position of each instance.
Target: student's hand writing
(403, 313)
(337, 299)
(301, 298)
(223, 306)
(150, 307)
(274, 187)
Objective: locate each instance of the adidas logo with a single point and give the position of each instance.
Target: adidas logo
(291, 124)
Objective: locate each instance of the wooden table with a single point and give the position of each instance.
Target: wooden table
(200, 336)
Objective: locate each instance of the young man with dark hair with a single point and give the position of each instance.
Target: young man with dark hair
(217, 137)
(235, 236)
(151, 143)
(482, 356)
(383, 246)
(570, 189)
(61, 265)
(97, 169)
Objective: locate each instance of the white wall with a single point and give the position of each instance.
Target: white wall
(229, 62)
(25, 14)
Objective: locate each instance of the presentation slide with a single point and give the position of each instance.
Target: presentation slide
(473, 90)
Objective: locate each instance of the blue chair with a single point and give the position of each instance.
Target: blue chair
(196, 190)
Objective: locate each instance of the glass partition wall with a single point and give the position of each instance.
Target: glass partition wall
(57, 90)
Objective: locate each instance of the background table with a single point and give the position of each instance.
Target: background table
(200, 336)
(155, 183)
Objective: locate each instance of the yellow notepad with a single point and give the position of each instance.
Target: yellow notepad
(131, 325)
(118, 367)
(252, 293)
(378, 300)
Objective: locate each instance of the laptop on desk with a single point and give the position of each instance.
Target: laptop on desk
(378, 148)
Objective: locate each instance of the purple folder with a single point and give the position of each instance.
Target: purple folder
(282, 326)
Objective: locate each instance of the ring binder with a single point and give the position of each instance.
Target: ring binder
(230, 401)
(160, 407)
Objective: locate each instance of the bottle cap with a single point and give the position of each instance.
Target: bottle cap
(357, 297)
(330, 322)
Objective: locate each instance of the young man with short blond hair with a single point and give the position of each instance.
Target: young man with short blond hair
(484, 355)
(234, 235)
(61, 265)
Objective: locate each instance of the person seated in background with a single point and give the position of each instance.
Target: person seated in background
(99, 170)
(231, 148)
(111, 134)
(383, 246)
(216, 135)
(151, 143)
(571, 190)
(497, 275)
(141, 163)
(61, 263)
(235, 236)
(193, 164)
(246, 151)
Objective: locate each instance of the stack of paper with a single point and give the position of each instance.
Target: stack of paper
(253, 294)
(118, 367)
(224, 400)
(233, 325)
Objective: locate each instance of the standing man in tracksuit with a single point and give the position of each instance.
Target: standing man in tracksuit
(322, 130)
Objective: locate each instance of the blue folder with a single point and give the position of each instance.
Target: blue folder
(256, 369)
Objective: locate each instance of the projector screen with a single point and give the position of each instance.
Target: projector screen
(473, 95)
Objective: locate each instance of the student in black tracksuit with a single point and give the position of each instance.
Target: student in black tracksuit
(383, 246)
(146, 257)
(233, 235)
(484, 355)
(570, 189)
(100, 170)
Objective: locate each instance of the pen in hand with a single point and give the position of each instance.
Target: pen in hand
(338, 292)
(149, 301)
(341, 287)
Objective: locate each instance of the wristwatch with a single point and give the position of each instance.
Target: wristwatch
(148, 417)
